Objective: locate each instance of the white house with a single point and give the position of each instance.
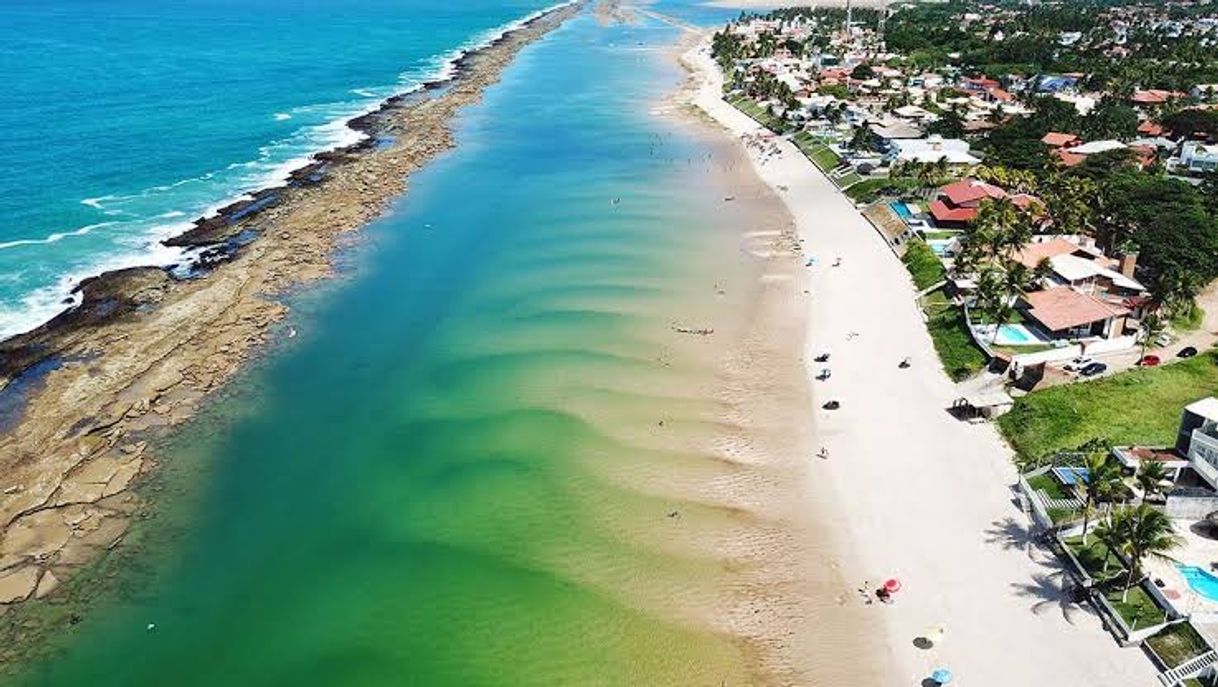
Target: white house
(1199, 157)
(933, 149)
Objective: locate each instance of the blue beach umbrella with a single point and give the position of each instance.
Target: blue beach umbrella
(941, 675)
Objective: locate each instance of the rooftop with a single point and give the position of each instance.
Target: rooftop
(1062, 307)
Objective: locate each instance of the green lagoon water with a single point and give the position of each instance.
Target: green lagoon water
(438, 481)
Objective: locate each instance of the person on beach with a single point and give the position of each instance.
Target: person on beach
(823, 453)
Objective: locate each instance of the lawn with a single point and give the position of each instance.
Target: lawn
(1052, 488)
(960, 356)
(1138, 609)
(1092, 557)
(923, 265)
(757, 112)
(1178, 644)
(870, 190)
(1140, 406)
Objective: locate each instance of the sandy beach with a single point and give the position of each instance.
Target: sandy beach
(909, 491)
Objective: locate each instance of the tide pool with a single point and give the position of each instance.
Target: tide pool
(449, 476)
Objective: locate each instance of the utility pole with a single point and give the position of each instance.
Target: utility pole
(849, 17)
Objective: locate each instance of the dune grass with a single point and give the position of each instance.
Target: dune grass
(923, 265)
(1140, 406)
(960, 356)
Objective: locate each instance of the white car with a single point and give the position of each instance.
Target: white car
(1078, 363)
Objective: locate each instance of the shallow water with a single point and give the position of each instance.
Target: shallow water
(452, 475)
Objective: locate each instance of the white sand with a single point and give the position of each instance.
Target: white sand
(926, 498)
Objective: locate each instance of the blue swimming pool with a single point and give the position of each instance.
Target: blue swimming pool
(1200, 581)
(1071, 476)
(1016, 334)
(901, 209)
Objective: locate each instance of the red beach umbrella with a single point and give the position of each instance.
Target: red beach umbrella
(892, 585)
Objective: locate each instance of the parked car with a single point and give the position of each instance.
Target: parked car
(1187, 352)
(1078, 364)
(1093, 369)
(1163, 339)
(1149, 361)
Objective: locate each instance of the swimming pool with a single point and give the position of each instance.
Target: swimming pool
(1200, 581)
(1015, 334)
(901, 209)
(1009, 334)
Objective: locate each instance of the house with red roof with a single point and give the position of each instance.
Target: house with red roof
(1065, 313)
(1055, 139)
(1149, 128)
(1154, 96)
(958, 203)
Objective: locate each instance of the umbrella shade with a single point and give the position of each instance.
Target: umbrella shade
(893, 585)
(941, 675)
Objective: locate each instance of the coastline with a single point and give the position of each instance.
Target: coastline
(908, 491)
(792, 613)
(144, 349)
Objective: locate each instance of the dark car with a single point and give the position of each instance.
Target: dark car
(1187, 352)
(1093, 369)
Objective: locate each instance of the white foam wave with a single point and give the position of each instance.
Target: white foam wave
(53, 238)
(145, 248)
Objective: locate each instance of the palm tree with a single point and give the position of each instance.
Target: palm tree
(1152, 326)
(1143, 531)
(1103, 483)
(1150, 477)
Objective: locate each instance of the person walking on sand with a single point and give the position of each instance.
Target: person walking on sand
(823, 453)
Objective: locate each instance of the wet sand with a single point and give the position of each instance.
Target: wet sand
(144, 349)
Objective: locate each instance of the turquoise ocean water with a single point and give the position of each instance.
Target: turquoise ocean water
(450, 476)
(125, 119)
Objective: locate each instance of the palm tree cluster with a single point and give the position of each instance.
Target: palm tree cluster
(990, 244)
(1135, 532)
(1138, 533)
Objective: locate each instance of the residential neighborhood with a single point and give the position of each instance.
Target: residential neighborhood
(1049, 177)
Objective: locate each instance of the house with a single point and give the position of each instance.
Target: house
(958, 203)
(934, 149)
(1054, 139)
(1206, 92)
(1075, 262)
(1151, 129)
(1199, 157)
(1154, 96)
(1056, 84)
(1064, 313)
(1197, 438)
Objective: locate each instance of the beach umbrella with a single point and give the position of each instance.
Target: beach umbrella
(893, 585)
(941, 675)
(935, 634)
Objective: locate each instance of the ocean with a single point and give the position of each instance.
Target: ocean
(483, 459)
(125, 120)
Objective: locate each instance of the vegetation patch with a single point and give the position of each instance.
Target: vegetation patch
(959, 354)
(1177, 644)
(923, 265)
(1140, 406)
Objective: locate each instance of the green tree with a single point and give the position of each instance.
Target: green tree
(1151, 476)
(1143, 531)
(1102, 484)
